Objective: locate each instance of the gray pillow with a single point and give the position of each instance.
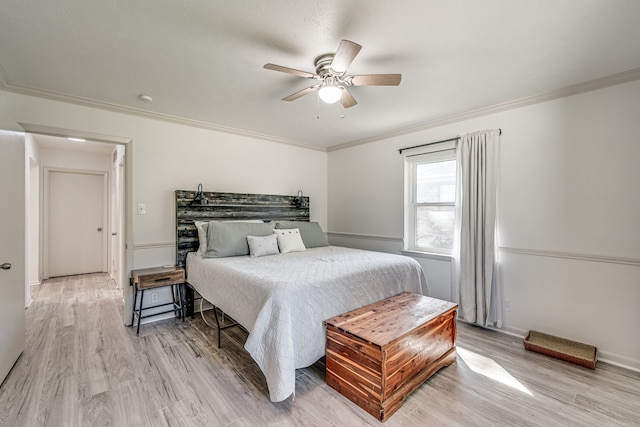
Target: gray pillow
(311, 232)
(201, 226)
(226, 239)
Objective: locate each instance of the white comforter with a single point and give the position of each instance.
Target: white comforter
(283, 299)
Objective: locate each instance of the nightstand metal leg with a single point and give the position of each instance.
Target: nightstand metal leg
(135, 298)
(173, 298)
(140, 311)
(183, 309)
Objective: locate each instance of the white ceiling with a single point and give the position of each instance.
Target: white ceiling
(201, 60)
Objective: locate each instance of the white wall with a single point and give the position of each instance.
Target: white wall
(568, 214)
(165, 157)
(75, 160)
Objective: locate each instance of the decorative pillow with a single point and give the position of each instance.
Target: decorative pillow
(201, 226)
(289, 240)
(230, 238)
(263, 245)
(311, 232)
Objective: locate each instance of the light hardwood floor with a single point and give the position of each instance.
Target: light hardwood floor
(82, 367)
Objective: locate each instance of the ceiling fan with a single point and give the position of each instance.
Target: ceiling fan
(331, 70)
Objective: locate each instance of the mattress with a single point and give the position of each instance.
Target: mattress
(283, 299)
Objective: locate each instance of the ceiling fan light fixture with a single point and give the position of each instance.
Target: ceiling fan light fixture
(330, 93)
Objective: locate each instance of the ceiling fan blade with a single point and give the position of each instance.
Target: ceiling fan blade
(344, 56)
(288, 70)
(347, 99)
(301, 93)
(375, 80)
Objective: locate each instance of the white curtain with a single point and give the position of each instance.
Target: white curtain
(475, 276)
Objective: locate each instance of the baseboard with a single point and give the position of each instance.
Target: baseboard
(603, 356)
(35, 282)
(620, 361)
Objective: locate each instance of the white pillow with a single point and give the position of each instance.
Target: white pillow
(201, 226)
(289, 240)
(262, 245)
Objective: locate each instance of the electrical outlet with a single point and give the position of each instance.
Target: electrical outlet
(142, 209)
(506, 305)
(154, 297)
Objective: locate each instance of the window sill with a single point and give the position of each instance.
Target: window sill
(427, 255)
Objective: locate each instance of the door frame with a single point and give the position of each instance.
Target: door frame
(45, 213)
(127, 241)
(117, 221)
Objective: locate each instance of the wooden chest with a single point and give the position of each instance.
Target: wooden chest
(378, 354)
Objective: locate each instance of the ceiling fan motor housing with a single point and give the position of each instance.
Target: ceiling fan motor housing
(323, 65)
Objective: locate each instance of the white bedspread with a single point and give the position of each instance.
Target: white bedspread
(283, 299)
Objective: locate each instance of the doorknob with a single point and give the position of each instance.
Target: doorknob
(99, 228)
(6, 266)
(114, 234)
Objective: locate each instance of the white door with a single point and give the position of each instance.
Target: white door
(76, 228)
(12, 249)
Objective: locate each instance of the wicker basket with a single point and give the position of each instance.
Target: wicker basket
(561, 348)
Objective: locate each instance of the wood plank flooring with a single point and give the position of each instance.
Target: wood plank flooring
(82, 367)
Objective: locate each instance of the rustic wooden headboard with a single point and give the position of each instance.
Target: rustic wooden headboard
(228, 206)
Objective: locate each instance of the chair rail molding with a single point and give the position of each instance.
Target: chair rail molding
(572, 255)
(365, 236)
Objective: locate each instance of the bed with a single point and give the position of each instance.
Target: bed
(282, 300)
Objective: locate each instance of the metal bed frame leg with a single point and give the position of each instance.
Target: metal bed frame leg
(178, 301)
(191, 303)
(221, 328)
(215, 314)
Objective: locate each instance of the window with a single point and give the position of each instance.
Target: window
(431, 196)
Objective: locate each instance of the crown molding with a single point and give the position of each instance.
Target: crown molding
(588, 86)
(9, 86)
(599, 83)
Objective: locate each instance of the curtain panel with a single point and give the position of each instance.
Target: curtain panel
(475, 276)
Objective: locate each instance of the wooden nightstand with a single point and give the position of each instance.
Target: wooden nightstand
(150, 278)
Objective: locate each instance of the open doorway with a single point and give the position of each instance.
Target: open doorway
(61, 163)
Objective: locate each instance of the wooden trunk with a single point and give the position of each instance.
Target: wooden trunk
(379, 354)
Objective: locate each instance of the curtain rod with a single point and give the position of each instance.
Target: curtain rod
(434, 142)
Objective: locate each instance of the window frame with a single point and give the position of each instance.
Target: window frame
(440, 154)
